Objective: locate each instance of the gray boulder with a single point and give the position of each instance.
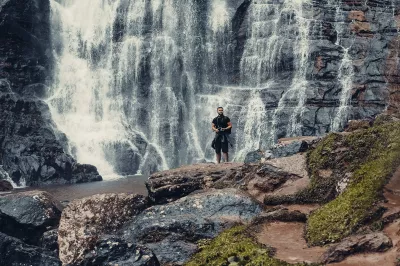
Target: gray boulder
(173, 230)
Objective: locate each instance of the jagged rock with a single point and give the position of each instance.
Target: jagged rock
(253, 157)
(112, 250)
(375, 242)
(280, 214)
(14, 252)
(173, 230)
(5, 186)
(27, 215)
(49, 241)
(285, 150)
(83, 221)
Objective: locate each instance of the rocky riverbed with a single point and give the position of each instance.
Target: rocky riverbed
(304, 208)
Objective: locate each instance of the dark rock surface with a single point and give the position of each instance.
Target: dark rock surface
(27, 215)
(32, 150)
(49, 241)
(172, 230)
(112, 250)
(285, 150)
(5, 186)
(14, 252)
(375, 242)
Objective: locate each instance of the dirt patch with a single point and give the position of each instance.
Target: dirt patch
(288, 240)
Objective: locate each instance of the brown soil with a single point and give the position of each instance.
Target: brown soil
(288, 240)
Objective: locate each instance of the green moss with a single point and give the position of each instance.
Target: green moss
(372, 157)
(320, 156)
(234, 242)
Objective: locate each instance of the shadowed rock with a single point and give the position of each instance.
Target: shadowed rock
(27, 215)
(15, 252)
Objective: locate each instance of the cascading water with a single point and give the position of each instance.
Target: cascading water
(138, 82)
(127, 73)
(345, 73)
(275, 30)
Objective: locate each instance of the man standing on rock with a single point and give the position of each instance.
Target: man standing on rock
(222, 126)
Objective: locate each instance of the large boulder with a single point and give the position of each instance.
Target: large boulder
(14, 252)
(375, 242)
(27, 215)
(172, 230)
(83, 221)
(112, 250)
(167, 186)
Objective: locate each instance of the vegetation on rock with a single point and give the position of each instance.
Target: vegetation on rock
(234, 247)
(363, 161)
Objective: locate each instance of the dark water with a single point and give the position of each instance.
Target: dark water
(129, 184)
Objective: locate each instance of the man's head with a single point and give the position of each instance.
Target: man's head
(220, 111)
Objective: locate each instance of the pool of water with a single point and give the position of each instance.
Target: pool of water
(65, 193)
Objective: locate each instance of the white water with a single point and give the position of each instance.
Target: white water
(345, 73)
(98, 100)
(143, 75)
(8, 178)
(264, 50)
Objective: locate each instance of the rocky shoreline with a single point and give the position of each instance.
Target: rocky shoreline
(192, 212)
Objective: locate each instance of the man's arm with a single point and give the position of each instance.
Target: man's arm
(214, 128)
(229, 126)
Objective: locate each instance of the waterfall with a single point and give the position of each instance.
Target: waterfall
(345, 73)
(137, 83)
(126, 77)
(277, 32)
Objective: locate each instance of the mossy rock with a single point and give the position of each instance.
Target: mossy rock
(235, 242)
(372, 156)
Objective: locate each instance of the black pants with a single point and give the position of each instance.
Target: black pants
(221, 143)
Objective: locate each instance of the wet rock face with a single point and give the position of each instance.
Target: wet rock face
(27, 215)
(173, 230)
(15, 252)
(112, 250)
(25, 54)
(83, 221)
(32, 150)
